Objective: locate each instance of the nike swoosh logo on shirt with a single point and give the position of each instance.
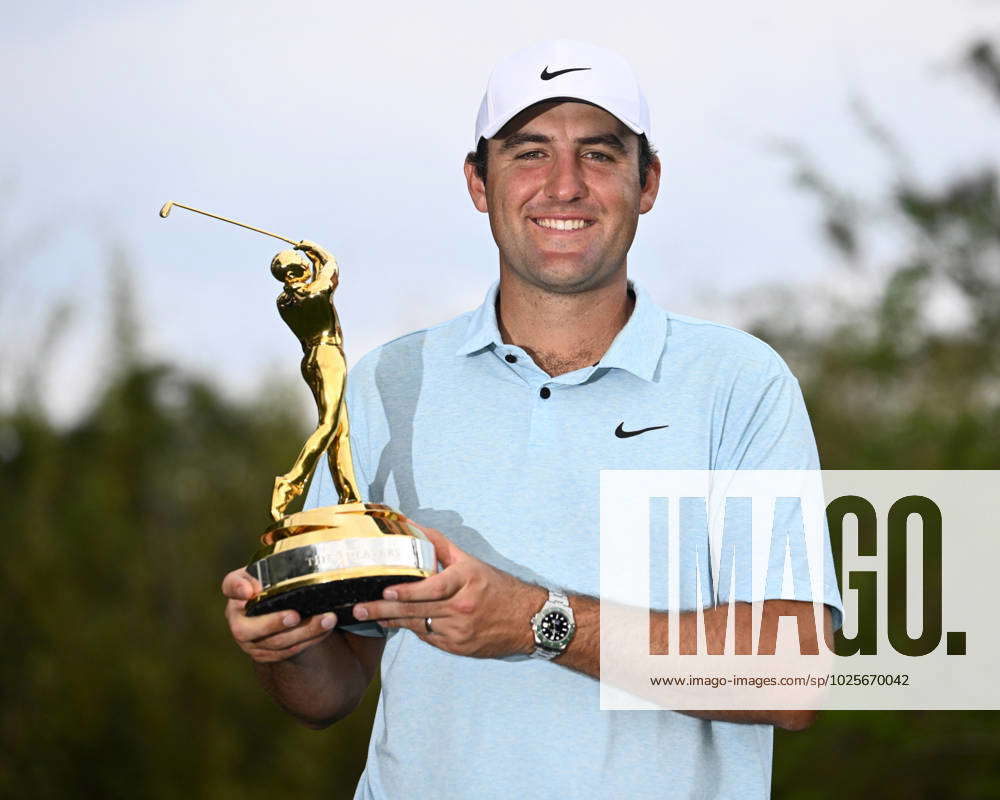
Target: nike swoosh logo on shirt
(621, 433)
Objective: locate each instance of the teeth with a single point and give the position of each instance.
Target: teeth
(563, 224)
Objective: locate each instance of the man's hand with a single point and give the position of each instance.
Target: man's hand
(476, 609)
(271, 637)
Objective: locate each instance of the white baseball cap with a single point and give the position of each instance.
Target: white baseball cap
(561, 68)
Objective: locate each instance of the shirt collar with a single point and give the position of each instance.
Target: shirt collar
(483, 330)
(637, 347)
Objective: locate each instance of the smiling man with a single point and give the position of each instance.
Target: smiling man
(490, 431)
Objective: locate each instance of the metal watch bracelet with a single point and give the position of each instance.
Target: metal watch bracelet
(557, 601)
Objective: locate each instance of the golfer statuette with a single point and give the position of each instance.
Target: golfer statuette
(325, 559)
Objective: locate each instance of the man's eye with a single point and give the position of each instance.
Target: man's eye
(531, 154)
(595, 155)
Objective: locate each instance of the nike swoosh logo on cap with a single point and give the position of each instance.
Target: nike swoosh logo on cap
(547, 76)
(621, 433)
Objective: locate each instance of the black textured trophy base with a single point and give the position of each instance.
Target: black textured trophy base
(336, 596)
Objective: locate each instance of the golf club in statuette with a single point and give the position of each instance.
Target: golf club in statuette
(329, 558)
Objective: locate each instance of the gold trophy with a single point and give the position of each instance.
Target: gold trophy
(325, 559)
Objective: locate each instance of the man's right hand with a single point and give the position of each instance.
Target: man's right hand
(271, 637)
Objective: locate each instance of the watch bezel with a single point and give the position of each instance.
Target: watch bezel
(554, 644)
(545, 647)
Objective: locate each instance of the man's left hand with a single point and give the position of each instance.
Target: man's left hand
(475, 609)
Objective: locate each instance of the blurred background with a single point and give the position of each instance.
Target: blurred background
(830, 183)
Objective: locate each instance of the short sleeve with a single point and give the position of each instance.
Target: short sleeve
(767, 428)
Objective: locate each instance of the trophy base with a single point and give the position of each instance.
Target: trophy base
(338, 596)
(328, 559)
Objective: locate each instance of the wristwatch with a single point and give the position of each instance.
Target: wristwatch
(554, 626)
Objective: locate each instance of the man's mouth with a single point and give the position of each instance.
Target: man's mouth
(562, 224)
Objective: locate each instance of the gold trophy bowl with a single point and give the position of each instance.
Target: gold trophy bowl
(329, 558)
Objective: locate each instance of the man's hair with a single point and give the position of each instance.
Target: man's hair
(480, 156)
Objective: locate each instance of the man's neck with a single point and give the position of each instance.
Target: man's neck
(562, 332)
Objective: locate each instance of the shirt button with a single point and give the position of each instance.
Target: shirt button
(544, 393)
(510, 358)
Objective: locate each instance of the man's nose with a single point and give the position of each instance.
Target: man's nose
(565, 181)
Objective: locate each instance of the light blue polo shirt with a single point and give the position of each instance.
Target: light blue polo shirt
(468, 435)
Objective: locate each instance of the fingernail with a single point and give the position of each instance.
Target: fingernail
(288, 620)
(390, 594)
(360, 612)
(328, 621)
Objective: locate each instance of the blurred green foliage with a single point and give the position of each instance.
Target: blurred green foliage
(901, 382)
(120, 679)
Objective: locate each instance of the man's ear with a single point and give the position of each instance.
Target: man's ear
(648, 194)
(477, 189)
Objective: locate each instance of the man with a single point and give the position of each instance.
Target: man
(491, 431)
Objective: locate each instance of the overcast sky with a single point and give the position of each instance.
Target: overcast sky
(346, 123)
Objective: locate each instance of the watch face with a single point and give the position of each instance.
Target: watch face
(554, 627)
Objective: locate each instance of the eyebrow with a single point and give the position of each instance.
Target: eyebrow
(517, 139)
(608, 139)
